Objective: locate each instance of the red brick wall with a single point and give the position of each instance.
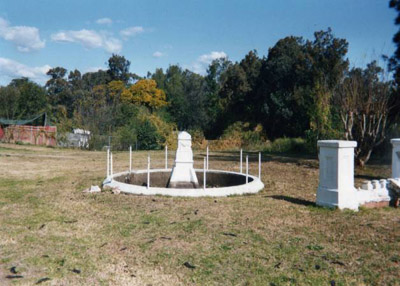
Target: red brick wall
(37, 135)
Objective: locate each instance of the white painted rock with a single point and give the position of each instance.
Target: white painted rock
(92, 189)
(95, 189)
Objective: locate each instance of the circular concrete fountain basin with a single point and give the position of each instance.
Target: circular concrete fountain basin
(219, 183)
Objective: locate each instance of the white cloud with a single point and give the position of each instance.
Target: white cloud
(158, 54)
(10, 69)
(104, 21)
(26, 38)
(202, 62)
(131, 31)
(208, 58)
(89, 39)
(93, 69)
(113, 45)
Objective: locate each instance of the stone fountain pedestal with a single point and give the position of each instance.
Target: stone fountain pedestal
(183, 174)
(336, 175)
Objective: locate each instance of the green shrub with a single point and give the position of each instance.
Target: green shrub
(199, 142)
(148, 130)
(287, 145)
(147, 136)
(98, 142)
(244, 135)
(312, 137)
(124, 137)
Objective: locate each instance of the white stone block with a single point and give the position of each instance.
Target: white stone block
(383, 183)
(376, 185)
(92, 189)
(366, 185)
(95, 189)
(336, 176)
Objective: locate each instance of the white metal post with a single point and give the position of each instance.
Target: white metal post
(207, 158)
(108, 162)
(241, 161)
(204, 174)
(130, 159)
(259, 165)
(166, 157)
(247, 169)
(111, 165)
(148, 171)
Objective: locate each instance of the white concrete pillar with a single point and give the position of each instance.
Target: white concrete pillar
(148, 171)
(247, 169)
(395, 158)
(207, 157)
(241, 161)
(166, 157)
(130, 159)
(204, 174)
(111, 165)
(108, 162)
(336, 174)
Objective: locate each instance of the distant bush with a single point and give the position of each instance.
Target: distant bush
(199, 142)
(146, 131)
(98, 142)
(125, 136)
(287, 145)
(312, 137)
(240, 134)
(166, 131)
(147, 136)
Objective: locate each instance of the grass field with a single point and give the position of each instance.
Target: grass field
(50, 229)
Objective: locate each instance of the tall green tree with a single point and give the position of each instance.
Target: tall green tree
(92, 79)
(118, 68)
(194, 87)
(326, 55)
(296, 84)
(394, 63)
(282, 73)
(214, 80)
(238, 95)
(175, 93)
(233, 94)
(9, 99)
(59, 90)
(159, 77)
(32, 98)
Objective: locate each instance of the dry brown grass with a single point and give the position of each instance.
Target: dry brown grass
(48, 227)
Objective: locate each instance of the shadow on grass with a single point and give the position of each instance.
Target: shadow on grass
(296, 201)
(367, 177)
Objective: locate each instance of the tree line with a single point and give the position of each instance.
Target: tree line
(301, 88)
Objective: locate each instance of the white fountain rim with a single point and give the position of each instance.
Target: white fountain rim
(250, 188)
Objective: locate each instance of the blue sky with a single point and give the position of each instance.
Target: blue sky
(37, 35)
